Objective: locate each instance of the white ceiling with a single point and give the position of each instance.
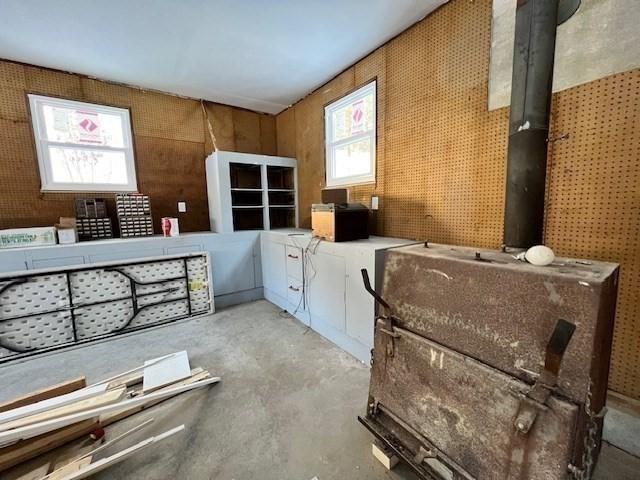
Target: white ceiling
(258, 54)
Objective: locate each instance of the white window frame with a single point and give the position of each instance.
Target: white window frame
(42, 143)
(331, 180)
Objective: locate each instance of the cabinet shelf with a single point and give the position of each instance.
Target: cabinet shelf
(251, 192)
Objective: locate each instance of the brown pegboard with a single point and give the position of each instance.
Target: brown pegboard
(160, 159)
(442, 156)
(165, 116)
(51, 82)
(309, 128)
(106, 93)
(246, 131)
(593, 200)
(286, 133)
(268, 135)
(169, 138)
(221, 119)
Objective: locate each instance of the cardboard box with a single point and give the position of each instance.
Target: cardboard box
(66, 229)
(27, 237)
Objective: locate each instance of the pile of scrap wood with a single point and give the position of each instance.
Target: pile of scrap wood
(46, 419)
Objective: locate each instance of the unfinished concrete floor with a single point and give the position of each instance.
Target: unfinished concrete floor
(286, 407)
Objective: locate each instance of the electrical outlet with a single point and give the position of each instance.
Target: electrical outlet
(374, 203)
(182, 207)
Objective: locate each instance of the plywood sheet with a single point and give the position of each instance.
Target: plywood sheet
(268, 135)
(286, 133)
(182, 162)
(221, 119)
(247, 131)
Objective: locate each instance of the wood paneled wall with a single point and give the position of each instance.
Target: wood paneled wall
(171, 143)
(441, 156)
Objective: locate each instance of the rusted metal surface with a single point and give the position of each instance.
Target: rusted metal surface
(466, 410)
(486, 367)
(502, 311)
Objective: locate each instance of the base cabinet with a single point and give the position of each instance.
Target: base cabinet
(320, 284)
(235, 258)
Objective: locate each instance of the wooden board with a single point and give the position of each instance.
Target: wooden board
(70, 469)
(104, 463)
(29, 431)
(27, 449)
(197, 374)
(51, 403)
(44, 394)
(165, 372)
(107, 398)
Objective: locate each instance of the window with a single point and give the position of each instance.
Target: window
(82, 146)
(350, 138)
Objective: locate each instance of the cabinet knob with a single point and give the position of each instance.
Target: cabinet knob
(292, 256)
(294, 288)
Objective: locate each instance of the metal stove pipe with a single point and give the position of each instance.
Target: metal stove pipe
(533, 56)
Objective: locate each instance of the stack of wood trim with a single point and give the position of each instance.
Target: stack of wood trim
(36, 423)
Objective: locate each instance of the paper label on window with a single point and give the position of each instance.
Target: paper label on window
(61, 119)
(357, 117)
(88, 127)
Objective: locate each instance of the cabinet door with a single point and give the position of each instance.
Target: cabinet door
(232, 266)
(294, 263)
(274, 267)
(326, 289)
(12, 261)
(359, 304)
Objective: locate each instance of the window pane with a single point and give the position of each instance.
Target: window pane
(353, 119)
(82, 126)
(70, 165)
(353, 159)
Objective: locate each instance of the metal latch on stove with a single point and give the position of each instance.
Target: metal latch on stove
(388, 319)
(535, 400)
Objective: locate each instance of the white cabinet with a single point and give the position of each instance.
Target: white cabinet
(321, 285)
(251, 192)
(235, 258)
(274, 268)
(326, 290)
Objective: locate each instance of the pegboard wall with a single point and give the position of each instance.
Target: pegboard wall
(43, 311)
(441, 157)
(170, 138)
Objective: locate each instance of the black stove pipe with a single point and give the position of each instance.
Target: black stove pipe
(533, 56)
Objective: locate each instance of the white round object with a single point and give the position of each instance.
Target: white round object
(540, 255)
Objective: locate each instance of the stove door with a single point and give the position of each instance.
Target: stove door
(429, 401)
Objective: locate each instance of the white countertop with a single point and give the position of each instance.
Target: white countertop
(303, 237)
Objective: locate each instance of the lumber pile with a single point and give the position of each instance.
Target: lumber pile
(41, 421)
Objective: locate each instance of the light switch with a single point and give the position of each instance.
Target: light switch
(374, 203)
(182, 207)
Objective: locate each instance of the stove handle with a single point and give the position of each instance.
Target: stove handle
(372, 292)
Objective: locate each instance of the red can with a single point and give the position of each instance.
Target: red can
(170, 227)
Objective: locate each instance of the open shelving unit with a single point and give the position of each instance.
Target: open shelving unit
(251, 192)
(281, 196)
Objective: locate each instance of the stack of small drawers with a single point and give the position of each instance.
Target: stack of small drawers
(134, 215)
(92, 222)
